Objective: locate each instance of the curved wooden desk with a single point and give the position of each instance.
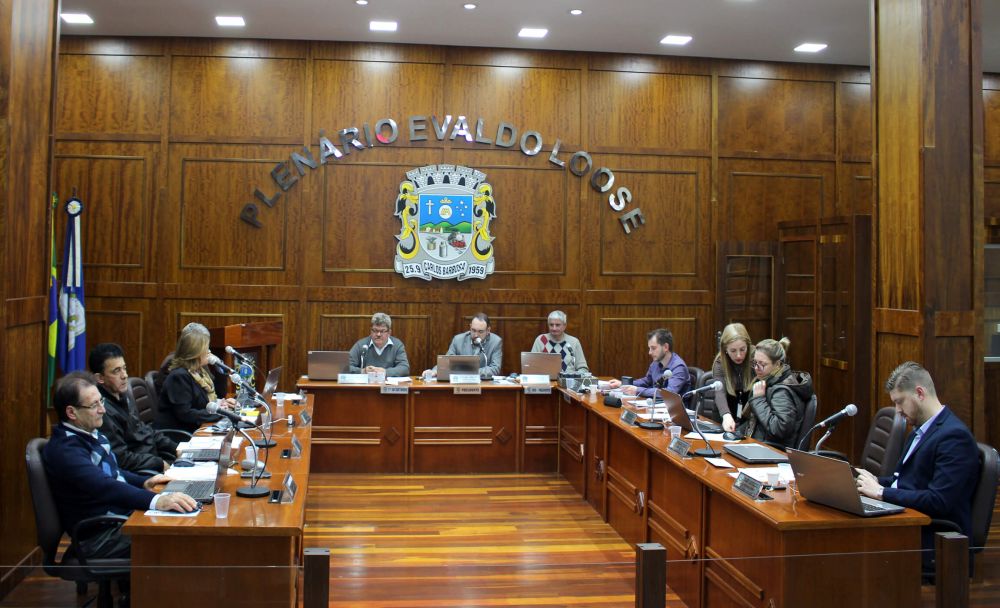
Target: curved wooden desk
(249, 559)
(723, 548)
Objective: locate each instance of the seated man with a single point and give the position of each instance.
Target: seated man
(661, 350)
(84, 474)
(380, 352)
(478, 341)
(559, 342)
(938, 472)
(136, 444)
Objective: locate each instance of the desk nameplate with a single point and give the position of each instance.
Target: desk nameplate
(537, 389)
(352, 378)
(464, 379)
(391, 389)
(469, 389)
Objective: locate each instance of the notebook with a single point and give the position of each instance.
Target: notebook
(203, 490)
(549, 364)
(457, 364)
(830, 482)
(327, 364)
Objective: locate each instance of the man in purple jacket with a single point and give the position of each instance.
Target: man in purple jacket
(661, 351)
(84, 473)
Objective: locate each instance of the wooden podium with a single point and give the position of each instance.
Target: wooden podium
(258, 341)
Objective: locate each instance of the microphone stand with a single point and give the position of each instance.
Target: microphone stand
(252, 491)
(826, 435)
(266, 441)
(707, 451)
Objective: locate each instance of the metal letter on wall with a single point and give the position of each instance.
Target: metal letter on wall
(444, 213)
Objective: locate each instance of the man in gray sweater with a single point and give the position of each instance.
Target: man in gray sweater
(380, 352)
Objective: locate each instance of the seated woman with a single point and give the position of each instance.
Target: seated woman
(778, 398)
(188, 388)
(732, 367)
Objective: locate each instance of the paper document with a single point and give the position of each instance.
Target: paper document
(655, 414)
(200, 471)
(287, 397)
(201, 442)
(158, 513)
(398, 379)
(760, 474)
(710, 437)
(720, 463)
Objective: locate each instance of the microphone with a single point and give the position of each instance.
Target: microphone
(232, 351)
(213, 408)
(218, 363)
(667, 375)
(832, 421)
(715, 386)
(364, 351)
(266, 442)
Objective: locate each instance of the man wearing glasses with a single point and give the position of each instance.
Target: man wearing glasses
(136, 444)
(84, 474)
(478, 341)
(379, 352)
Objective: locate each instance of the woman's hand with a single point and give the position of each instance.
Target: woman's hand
(728, 424)
(759, 388)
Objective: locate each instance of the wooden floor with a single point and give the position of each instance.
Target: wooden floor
(479, 540)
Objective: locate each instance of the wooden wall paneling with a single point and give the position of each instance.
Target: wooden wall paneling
(991, 121)
(338, 326)
(353, 93)
(746, 275)
(673, 250)
(756, 195)
(523, 96)
(854, 127)
(668, 113)
(796, 290)
(776, 118)
(124, 322)
(239, 47)
(621, 343)
(855, 188)
(227, 99)
(373, 51)
(991, 196)
(206, 242)
(117, 183)
(103, 96)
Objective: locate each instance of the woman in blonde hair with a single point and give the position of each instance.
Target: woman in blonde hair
(732, 367)
(189, 387)
(778, 398)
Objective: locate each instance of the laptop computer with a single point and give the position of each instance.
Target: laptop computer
(679, 415)
(203, 489)
(756, 453)
(549, 364)
(271, 383)
(327, 364)
(457, 364)
(830, 482)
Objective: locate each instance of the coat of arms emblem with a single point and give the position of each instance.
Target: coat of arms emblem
(444, 213)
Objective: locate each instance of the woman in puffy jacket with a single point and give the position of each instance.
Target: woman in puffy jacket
(778, 398)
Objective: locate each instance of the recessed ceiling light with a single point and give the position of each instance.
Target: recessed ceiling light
(810, 47)
(82, 18)
(230, 21)
(533, 32)
(469, 6)
(676, 39)
(382, 26)
(361, 2)
(576, 11)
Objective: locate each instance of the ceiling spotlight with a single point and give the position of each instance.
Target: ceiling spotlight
(675, 39)
(533, 32)
(361, 2)
(76, 18)
(810, 47)
(230, 21)
(576, 12)
(382, 26)
(469, 6)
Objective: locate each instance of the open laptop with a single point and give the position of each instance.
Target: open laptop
(549, 364)
(271, 383)
(202, 490)
(457, 364)
(830, 482)
(679, 415)
(327, 364)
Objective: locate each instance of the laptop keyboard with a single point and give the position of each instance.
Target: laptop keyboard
(198, 490)
(206, 454)
(870, 508)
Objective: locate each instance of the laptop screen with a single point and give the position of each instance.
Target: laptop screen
(271, 383)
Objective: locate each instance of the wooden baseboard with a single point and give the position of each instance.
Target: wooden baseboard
(13, 576)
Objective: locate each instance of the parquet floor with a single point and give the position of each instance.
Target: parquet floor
(476, 540)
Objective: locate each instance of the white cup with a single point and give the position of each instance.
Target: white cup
(772, 479)
(428, 376)
(675, 432)
(221, 505)
(248, 451)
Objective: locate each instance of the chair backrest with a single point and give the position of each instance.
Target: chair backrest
(49, 527)
(985, 496)
(145, 399)
(707, 400)
(808, 420)
(884, 444)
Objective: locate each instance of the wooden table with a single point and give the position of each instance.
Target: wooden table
(723, 548)
(250, 559)
(432, 430)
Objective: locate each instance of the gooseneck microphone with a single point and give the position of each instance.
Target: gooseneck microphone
(715, 386)
(829, 424)
(213, 408)
(218, 363)
(708, 450)
(364, 351)
(662, 381)
(265, 441)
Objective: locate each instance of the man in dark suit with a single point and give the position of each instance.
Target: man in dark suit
(938, 472)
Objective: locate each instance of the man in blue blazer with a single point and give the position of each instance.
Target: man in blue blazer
(939, 469)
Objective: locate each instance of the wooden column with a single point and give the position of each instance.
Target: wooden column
(27, 51)
(928, 259)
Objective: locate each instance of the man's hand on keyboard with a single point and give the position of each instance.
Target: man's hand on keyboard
(176, 501)
(156, 480)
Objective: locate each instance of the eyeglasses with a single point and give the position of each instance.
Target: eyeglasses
(379, 332)
(759, 365)
(93, 405)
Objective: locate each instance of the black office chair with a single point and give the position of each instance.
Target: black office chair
(884, 444)
(148, 404)
(808, 420)
(707, 400)
(50, 531)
